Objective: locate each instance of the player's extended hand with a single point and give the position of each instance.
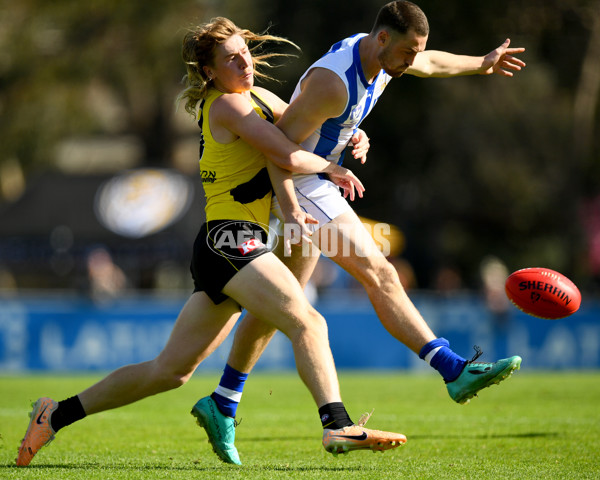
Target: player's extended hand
(296, 230)
(347, 181)
(501, 60)
(360, 145)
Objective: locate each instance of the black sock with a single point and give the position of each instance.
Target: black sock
(334, 416)
(68, 411)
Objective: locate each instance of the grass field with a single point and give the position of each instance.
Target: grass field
(533, 426)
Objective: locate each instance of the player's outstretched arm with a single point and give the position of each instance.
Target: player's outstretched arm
(434, 63)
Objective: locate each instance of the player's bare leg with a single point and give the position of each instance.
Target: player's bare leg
(216, 413)
(298, 320)
(187, 346)
(200, 328)
(351, 246)
(253, 335)
(288, 310)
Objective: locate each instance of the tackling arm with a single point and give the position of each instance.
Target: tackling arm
(234, 113)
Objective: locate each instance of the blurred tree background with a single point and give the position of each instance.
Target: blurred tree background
(467, 168)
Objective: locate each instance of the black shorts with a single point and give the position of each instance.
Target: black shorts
(221, 249)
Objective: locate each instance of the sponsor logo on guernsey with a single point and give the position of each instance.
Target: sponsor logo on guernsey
(208, 176)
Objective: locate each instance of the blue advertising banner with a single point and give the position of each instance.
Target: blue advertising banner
(75, 334)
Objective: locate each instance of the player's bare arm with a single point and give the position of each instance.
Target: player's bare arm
(360, 140)
(284, 185)
(323, 96)
(234, 113)
(434, 63)
(292, 213)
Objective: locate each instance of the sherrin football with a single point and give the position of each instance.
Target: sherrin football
(543, 293)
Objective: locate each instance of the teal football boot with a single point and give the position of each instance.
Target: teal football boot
(219, 428)
(476, 376)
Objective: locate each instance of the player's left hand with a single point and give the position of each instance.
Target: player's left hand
(298, 231)
(501, 61)
(360, 145)
(347, 181)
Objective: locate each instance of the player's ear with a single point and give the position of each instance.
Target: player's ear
(208, 72)
(383, 38)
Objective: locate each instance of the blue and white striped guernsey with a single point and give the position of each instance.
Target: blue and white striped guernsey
(330, 140)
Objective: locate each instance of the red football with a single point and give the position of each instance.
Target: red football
(543, 293)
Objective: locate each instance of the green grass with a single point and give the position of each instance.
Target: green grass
(535, 425)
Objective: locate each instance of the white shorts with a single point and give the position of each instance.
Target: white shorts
(319, 197)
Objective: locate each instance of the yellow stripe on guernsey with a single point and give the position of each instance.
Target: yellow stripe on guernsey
(234, 175)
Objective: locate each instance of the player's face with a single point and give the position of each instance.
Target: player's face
(232, 70)
(400, 52)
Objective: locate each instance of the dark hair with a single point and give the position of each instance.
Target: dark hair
(402, 16)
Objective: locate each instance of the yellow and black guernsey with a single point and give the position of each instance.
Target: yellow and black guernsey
(234, 175)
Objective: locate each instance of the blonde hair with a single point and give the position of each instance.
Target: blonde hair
(198, 51)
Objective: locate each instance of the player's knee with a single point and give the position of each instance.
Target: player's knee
(380, 274)
(318, 323)
(165, 377)
(311, 323)
(172, 380)
(177, 379)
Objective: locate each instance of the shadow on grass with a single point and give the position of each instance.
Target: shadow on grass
(312, 468)
(316, 437)
(475, 436)
(99, 467)
(480, 436)
(93, 466)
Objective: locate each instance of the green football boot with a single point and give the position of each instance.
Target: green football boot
(219, 428)
(476, 376)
